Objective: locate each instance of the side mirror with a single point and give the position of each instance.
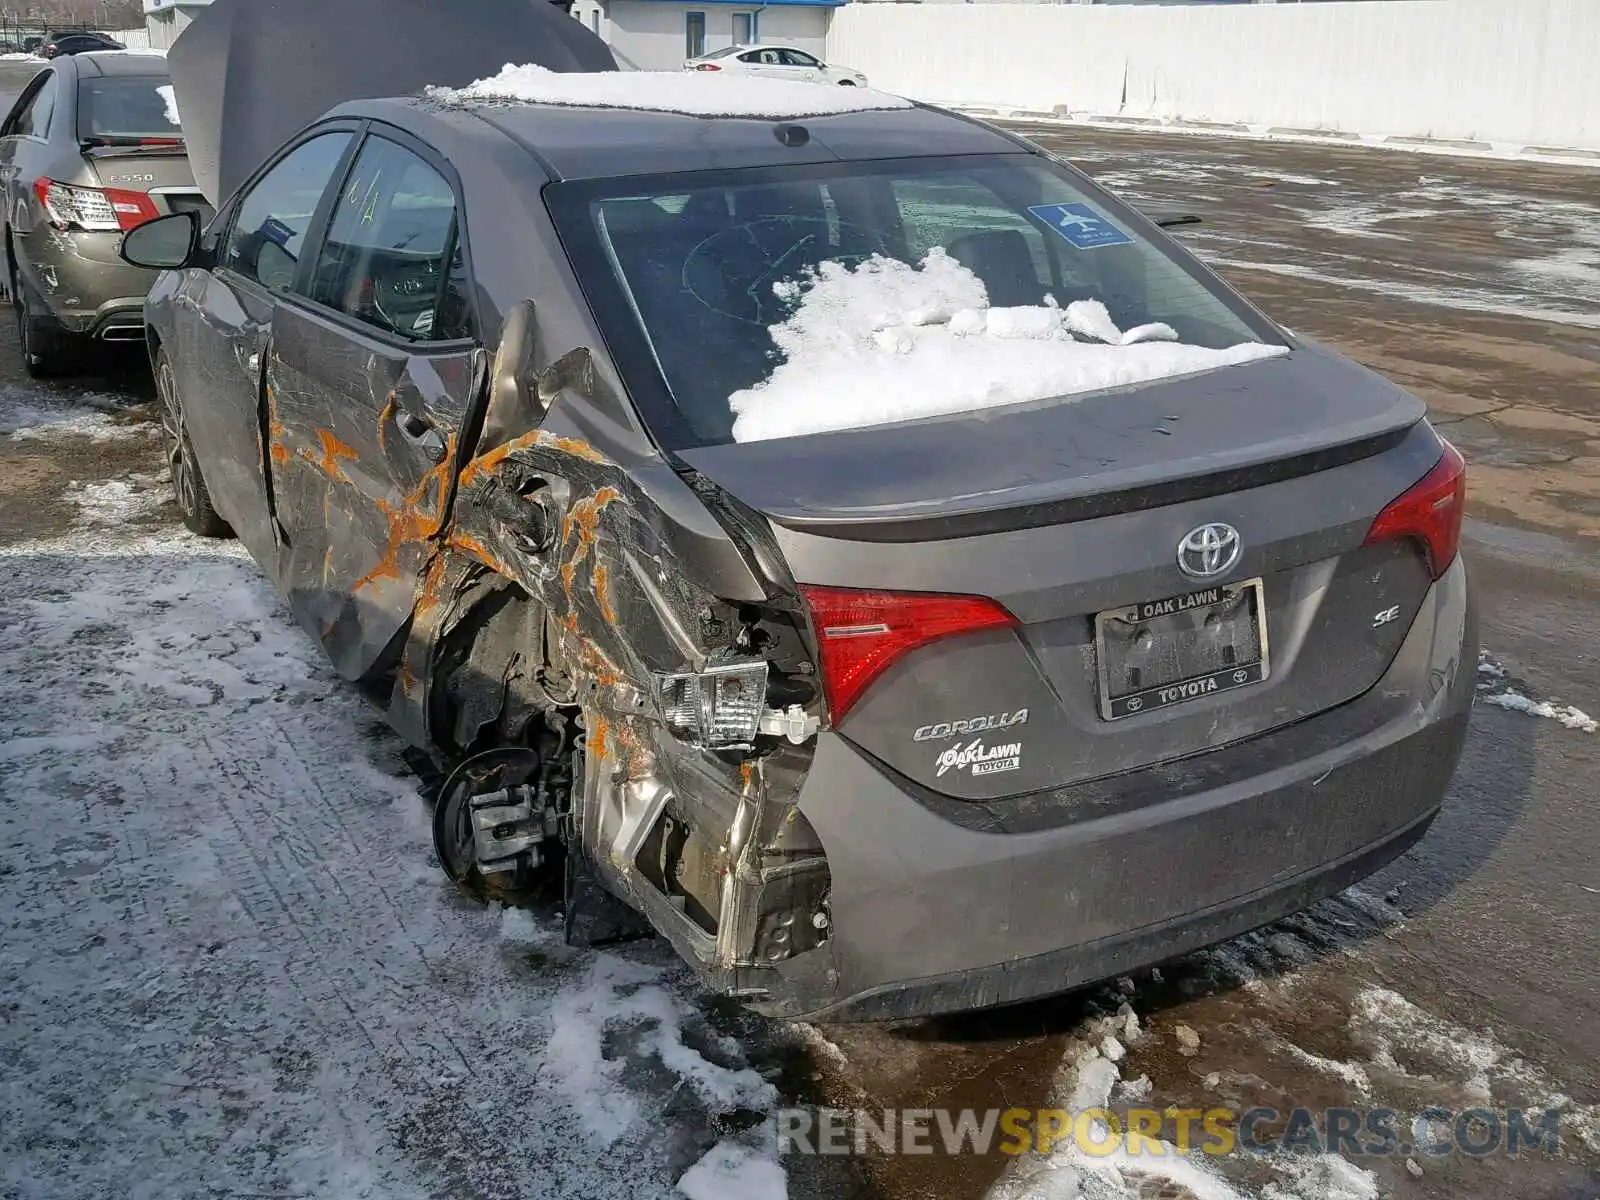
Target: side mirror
(164, 244)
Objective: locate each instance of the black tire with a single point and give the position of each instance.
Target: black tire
(188, 483)
(847, 83)
(48, 350)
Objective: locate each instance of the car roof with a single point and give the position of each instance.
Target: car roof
(596, 143)
(121, 62)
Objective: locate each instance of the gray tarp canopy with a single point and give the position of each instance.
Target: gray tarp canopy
(249, 74)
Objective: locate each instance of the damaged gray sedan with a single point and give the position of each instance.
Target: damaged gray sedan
(823, 529)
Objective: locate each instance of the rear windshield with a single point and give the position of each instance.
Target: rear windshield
(127, 106)
(836, 285)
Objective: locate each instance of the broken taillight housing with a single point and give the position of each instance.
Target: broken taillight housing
(720, 706)
(1429, 511)
(860, 633)
(72, 207)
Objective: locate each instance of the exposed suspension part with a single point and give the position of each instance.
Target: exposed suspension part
(500, 814)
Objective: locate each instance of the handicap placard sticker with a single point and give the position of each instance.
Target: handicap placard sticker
(1081, 225)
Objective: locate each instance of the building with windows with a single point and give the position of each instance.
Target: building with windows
(657, 35)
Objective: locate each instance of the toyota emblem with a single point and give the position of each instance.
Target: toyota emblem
(1209, 550)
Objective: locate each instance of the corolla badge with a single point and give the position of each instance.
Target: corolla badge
(1209, 550)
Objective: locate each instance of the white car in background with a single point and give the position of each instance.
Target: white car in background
(775, 62)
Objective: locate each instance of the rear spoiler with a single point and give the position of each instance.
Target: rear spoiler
(108, 147)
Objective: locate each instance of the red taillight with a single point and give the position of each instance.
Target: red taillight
(133, 209)
(860, 633)
(72, 207)
(707, 67)
(1429, 511)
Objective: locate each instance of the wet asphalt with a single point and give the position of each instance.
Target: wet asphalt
(1476, 284)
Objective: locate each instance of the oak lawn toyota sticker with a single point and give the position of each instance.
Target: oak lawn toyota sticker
(981, 759)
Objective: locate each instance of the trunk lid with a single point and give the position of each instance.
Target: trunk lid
(159, 169)
(1063, 513)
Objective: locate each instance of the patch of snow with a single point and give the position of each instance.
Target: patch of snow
(887, 341)
(1566, 714)
(169, 97)
(1283, 177)
(620, 993)
(27, 416)
(1363, 220)
(692, 93)
(523, 927)
(1489, 668)
(732, 1171)
(1463, 299)
(1353, 1074)
(20, 56)
(118, 500)
(1110, 1172)
(221, 936)
(1321, 1177)
(1410, 1043)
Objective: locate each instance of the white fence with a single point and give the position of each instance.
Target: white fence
(1513, 73)
(133, 39)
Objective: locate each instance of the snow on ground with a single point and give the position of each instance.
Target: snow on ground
(888, 341)
(118, 500)
(1071, 1172)
(692, 93)
(227, 965)
(1572, 718)
(28, 416)
(1495, 688)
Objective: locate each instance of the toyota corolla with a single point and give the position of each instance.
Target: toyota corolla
(824, 529)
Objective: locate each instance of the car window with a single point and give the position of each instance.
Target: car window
(752, 56)
(392, 258)
(939, 210)
(771, 58)
(795, 58)
(712, 269)
(35, 119)
(275, 214)
(127, 106)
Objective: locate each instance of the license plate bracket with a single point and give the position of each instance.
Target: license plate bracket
(1164, 652)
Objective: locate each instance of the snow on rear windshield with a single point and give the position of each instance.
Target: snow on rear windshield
(780, 303)
(697, 94)
(127, 106)
(887, 341)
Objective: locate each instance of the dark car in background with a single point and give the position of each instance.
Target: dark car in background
(78, 42)
(92, 148)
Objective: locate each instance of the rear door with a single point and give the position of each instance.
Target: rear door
(762, 62)
(22, 148)
(224, 318)
(370, 376)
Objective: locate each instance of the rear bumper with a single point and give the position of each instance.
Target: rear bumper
(84, 284)
(933, 915)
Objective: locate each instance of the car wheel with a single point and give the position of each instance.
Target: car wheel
(188, 483)
(847, 83)
(48, 351)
